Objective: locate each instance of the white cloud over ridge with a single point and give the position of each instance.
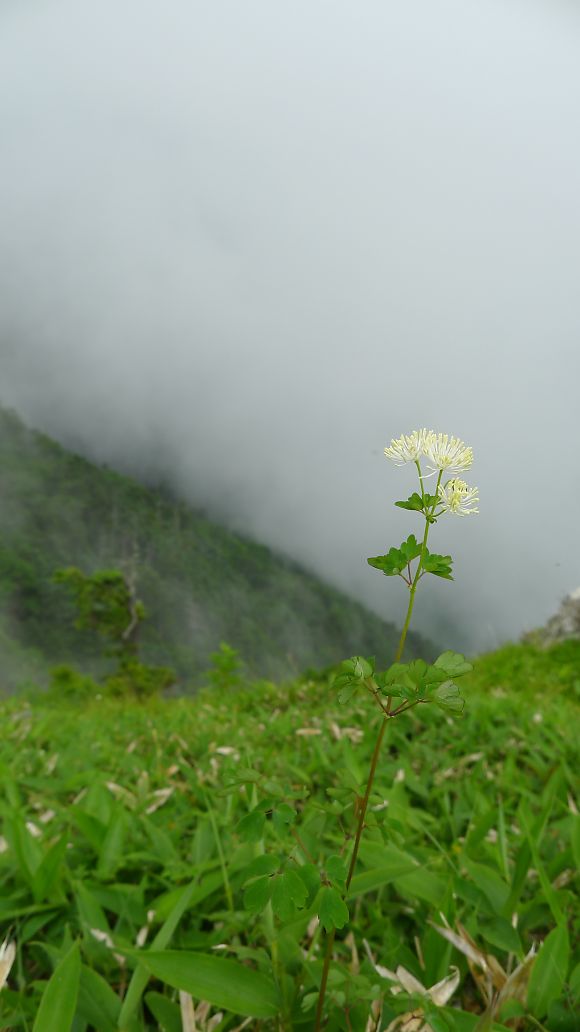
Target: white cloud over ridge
(244, 245)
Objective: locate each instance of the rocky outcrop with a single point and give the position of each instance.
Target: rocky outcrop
(563, 625)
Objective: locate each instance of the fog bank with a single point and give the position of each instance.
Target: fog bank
(244, 245)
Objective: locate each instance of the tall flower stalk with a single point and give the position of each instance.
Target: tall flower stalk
(416, 683)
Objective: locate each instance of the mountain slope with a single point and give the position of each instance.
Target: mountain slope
(201, 583)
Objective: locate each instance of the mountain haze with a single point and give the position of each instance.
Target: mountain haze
(201, 584)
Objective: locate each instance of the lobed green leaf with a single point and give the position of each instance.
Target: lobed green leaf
(332, 910)
(336, 871)
(453, 664)
(438, 565)
(396, 559)
(448, 697)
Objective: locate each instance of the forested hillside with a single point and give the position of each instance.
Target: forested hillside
(201, 584)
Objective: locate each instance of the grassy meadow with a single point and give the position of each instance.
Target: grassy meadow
(162, 862)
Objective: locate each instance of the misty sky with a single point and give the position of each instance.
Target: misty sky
(244, 244)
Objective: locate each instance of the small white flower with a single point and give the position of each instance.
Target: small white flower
(457, 497)
(408, 447)
(7, 955)
(447, 453)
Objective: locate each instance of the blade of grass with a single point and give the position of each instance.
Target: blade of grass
(218, 842)
(140, 976)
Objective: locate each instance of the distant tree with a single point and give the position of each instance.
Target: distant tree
(226, 668)
(107, 603)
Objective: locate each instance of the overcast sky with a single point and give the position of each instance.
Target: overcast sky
(244, 244)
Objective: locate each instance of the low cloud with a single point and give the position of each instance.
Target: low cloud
(245, 245)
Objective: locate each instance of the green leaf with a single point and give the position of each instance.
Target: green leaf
(411, 548)
(332, 910)
(396, 559)
(98, 1004)
(26, 849)
(416, 670)
(395, 674)
(512, 1009)
(438, 565)
(490, 882)
(258, 893)
(112, 849)
(575, 983)
(455, 1020)
(297, 890)
(336, 871)
(448, 697)
(369, 881)
(398, 691)
(417, 504)
(47, 874)
(500, 933)
(222, 982)
(454, 664)
(251, 827)
(352, 673)
(346, 687)
(164, 848)
(166, 1013)
(413, 680)
(90, 910)
(91, 827)
(282, 902)
(361, 667)
(549, 971)
(390, 564)
(394, 680)
(357, 667)
(416, 678)
(414, 502)
(575, 838)
(420, 882)
(283, 816)
(59, 999)
(310, 875)
(140, 977)
(266, 863)
(562, 1016)
(550, 893)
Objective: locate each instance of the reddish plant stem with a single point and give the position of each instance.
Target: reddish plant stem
(365, 802)
(375, 758)
(324, 980)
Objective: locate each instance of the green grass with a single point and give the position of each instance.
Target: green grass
(124, 818)
(531, 670)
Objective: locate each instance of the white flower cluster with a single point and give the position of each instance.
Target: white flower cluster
(457, 497)
(445, 454)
